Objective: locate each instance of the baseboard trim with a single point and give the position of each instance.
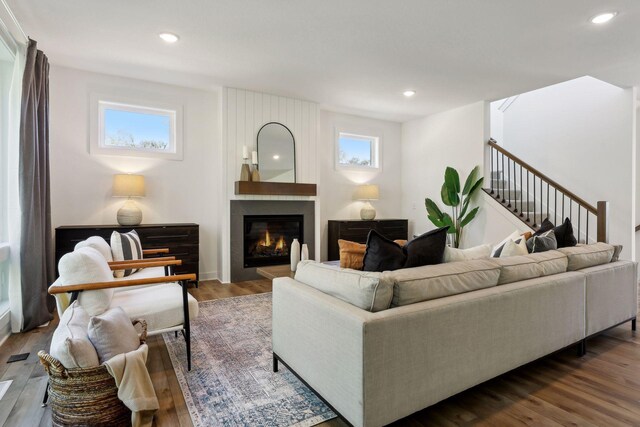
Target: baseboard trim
(211, 275)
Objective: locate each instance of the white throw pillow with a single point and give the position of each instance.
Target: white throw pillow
(70, 342)
(477, 252)
(125, 247)
(99, 244)
(112, 333)
(87, 265)
(513, 248)
(496, 249)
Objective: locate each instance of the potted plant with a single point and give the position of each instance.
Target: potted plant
(458, 200)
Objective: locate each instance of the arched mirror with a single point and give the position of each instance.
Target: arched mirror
(276, 153)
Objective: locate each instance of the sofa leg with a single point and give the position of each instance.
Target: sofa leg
(275, 363)
(582, 348)
(633, 324)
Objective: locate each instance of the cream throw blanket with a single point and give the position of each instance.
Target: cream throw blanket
(135, 389)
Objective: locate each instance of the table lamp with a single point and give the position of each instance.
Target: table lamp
(367, 192)
(129, 186)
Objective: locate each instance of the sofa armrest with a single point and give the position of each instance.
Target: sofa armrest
(321, 338)
(143, 264)
(60, 288)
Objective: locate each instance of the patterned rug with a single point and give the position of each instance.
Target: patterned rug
(231, 382)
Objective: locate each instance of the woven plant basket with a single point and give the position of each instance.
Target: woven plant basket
(85, 396)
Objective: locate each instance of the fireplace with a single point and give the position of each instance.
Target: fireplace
(267, 238)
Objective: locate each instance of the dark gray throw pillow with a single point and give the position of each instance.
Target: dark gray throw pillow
(426, 249)
(382, 254)
(542, 243)
(564, 232)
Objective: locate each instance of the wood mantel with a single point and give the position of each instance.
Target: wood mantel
(275, 188)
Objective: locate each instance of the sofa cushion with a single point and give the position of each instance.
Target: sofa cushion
(514, 248)
(125, 247)
(160, 306)
(70, 343)
(99, 244)
(588, 255)
(426, 249)
(367, 290)
(456, 254)
(523, 267)
(542, 243)
(112, 333)
(436, 281)
(497, 249)
(87, 265)
(352, 253)
(382, 254)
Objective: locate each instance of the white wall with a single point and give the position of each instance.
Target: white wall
(581, 134)
(177, 191)
(454, 138)
(336, 187)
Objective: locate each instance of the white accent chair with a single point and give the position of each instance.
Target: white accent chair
(153, 293)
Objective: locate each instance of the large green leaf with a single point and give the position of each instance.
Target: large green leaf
(432, 209)
(469, 182)
(452, 180)
(447, 221)
(465, 206)
(449, 198)
(476, 186)
(469, 217)
(438, 222)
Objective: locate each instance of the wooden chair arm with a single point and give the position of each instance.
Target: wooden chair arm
(132, 261)
(155, 251)
(143, 264)
(121, 283)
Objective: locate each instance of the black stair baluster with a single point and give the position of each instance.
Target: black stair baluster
(499, 174)
(534, 201)
(503, 179)
(586, 237)
(541, 200)
(579, 223)
(509, 182)
(491, 167)
(562, 217)
(570, 209)
(555, 206)
(521, 198)
(528, 204)
(547, 199)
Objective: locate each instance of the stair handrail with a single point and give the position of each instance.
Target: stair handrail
(493, 143)
(600, 211)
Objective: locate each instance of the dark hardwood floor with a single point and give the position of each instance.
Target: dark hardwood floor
(600, 389)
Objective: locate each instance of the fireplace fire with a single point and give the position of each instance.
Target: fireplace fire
(267, 238)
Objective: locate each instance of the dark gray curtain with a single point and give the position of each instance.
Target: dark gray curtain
(36, 248)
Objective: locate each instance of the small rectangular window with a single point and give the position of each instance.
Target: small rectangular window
(357, 151)
(127, 129)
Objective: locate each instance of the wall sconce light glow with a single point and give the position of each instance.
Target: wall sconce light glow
(276, 157)
(409, 93)
(603, 17)
(169, 37)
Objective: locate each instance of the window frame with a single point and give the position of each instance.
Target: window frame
(101, 102)
(361, 134)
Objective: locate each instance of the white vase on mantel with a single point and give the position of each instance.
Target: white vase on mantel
(304, 253)
(295, 254)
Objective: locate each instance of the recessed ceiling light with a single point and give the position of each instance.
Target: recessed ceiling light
(169, 37)
(409, 93)
(603, 17)
(276, 157)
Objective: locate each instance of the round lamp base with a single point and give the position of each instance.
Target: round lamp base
(129, 214)
(367, 212)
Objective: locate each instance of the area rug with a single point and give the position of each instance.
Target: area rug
(231, 382)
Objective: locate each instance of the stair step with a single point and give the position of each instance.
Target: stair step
(513, 195)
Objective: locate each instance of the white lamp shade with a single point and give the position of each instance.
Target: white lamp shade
(367, 192)
(126, 185)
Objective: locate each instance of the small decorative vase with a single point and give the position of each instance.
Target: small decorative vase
(304, 253)
(295, 254)
(245, 173)
(255, 174)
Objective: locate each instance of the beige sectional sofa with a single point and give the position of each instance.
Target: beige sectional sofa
(380, 346)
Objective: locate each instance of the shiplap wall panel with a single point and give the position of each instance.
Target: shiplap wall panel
(246, 112)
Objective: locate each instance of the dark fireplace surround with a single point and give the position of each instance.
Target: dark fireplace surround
(262, 232)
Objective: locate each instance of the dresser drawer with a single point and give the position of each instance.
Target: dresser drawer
(358, 230)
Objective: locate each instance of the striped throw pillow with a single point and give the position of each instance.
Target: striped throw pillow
(125, 247)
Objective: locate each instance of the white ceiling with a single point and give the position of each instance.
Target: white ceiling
(349, 55)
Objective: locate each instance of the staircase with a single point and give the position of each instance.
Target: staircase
(532, 196)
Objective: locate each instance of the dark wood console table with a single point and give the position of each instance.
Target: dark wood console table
(357, 230)
(183, 240)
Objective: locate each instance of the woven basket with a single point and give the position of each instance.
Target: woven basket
(85, 396)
